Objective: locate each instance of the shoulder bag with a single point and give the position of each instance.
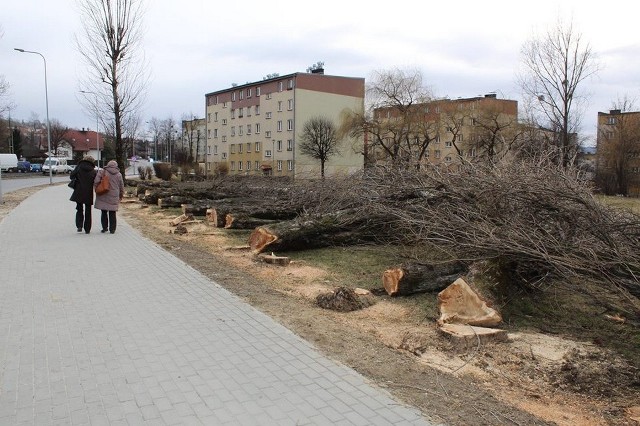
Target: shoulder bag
(103, 185)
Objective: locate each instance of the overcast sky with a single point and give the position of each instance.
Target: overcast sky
(463, 48)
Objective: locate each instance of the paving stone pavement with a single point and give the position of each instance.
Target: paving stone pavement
(105, 329)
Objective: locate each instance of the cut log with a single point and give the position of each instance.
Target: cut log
(197, 207)
(181, 219)
(174, 201)
(459, 304)
(421, 278)
(301, 234)
(242, 221)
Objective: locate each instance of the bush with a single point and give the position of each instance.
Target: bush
(162, 170)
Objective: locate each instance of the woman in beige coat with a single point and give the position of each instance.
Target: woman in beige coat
(109, 202)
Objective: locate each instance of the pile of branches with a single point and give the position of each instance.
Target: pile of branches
(533, 221)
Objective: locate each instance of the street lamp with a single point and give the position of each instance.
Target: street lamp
(46, 97)
(97, 121)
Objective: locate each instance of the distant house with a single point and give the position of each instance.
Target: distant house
(84, 142)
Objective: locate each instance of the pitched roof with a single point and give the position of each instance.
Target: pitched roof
(83, 140)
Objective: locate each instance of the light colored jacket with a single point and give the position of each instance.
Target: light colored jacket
(110, 200)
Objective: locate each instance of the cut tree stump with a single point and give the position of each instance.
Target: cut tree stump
(272, 259)
(421, 278)
(466, 336)
(459, 304)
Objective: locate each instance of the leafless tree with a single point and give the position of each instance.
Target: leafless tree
(111, 47)
(58, 134)
(393, 125)
(555, 65)
(619, 150)
(319, 140)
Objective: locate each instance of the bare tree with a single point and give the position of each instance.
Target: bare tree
(394, 125)
(556, 64)
(58, 134)
(319, 140)
(619, 149)
(110, 46)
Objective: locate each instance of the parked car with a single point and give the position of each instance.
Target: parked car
(36, 167)
(24, 167)
(8, 162)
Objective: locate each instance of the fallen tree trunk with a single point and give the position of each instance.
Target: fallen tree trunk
(174, 201)
(305, 233)
(421, 278)
(243, 221)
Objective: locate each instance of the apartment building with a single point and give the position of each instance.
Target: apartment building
(444, 131)
(253, 128)
(618, 152)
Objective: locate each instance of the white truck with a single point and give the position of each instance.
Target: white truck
(8, 162)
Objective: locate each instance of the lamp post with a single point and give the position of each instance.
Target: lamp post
(46, 97)
(97, 123)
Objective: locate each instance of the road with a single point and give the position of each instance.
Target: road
(14, 181)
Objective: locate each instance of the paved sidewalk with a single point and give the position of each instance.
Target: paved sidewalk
(107, 329)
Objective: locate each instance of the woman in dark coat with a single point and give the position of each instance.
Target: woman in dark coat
(84, 174)
(110, 200)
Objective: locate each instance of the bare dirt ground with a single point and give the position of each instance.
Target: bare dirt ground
(533, 379)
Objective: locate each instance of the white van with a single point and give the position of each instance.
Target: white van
(57, 165)
(8, 162)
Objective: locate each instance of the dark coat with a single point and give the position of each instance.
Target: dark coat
(85, 173)
(111, 200)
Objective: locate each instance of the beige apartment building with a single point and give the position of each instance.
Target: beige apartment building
(446, 131)
(618, 152)
(253, 129)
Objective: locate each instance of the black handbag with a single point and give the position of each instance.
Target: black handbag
(73, 183)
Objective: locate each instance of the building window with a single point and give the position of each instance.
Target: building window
(240, 130)
(460, 137)
(215, 133)
(290, 145)
(258, 91)
(240, 112)
(257, 111)
(290, 124)
(248, 129)
(279, 106)
(268, 95)
(209, 133)
(215, 149)
(224, 105)
(448, 144)
(257, 164)
(290, 106)
(257, 147)
(233, 96)
(290, 84)
(224, 155)
(248, 146)
(258, 128)
(248, 92)
(447, 159)
(279, 86)
(611, 120)
(233, 130)
(224, 138)
(267, 153)
(224, 121)
(289, 165)
(436, 153)
(208, 118)
(279, 125)
(240, 148)
(216, 100)
(233, 165)
(280, 165)
(267, 134)
(248, 165)
(233, 113)
(268, 115)
(279, 146)
(232, 148)
(239, 165)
